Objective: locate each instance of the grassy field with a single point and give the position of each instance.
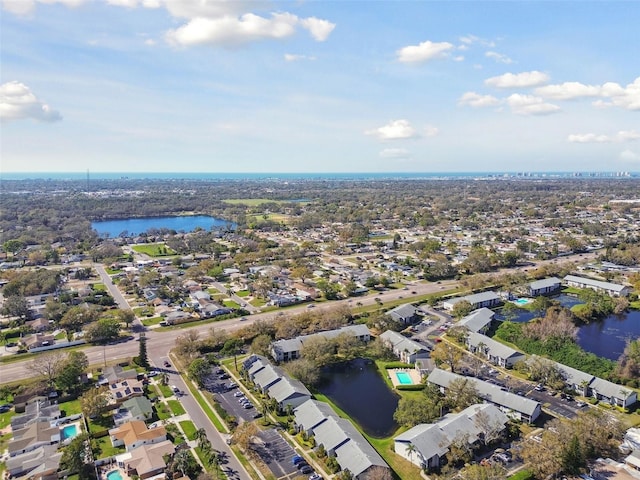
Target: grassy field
(106, 448)
(189, 429)
(162, 411)
(176, 407)
(72, 407)
(154, 249)
(230, 304)
(147, 322)
(242, 293)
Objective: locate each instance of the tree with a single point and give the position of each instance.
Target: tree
(48, 365)
(104, 330)
(73, 367)
(77, 316)
(318, 350)
(143, 358)
(244, 435)
(493, 471)
(461, 393)
(573, 459)
(446, 353)
(304, 370)
(330, 290)
(126, 316)
(198, 370)
(377, 472)
(462, 309)
(261, 345)
(77, 454)
(94, 401)
(16, 306)
(187, 345)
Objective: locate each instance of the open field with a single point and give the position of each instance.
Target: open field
(153, 249)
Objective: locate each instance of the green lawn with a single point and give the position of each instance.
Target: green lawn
(165, 390)
(242, 293)
(144, 311)
(189, 429)
(230, 304)
(99, 287)
(72, 407)
(154, 249)
(147, 322)
(176, 407)
(106, 448)
(162, 411)
(5, 418)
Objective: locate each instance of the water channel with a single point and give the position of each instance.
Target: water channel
(136, 226)
(359, 390)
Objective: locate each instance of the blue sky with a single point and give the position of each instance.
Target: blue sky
(319, 86)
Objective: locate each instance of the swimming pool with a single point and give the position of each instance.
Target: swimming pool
(114, 475)
(523, 301)
(404, 378)
(69, 431)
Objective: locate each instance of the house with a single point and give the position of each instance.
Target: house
(267, 377)
(477, 300)
(425, 445)
(135, 433)
(124, 390)
(515, 406)
(146, 461)
(361, 459)
(176, 317)
(38, 340)
(289, 349)
(310, 414)
(41, 463)
(136, 408)
(404, 348)
(33, 436)
(405, 314)
(339, 438)
(544, 286)
(496, 352)
(210, 309)
(289, 393)
(633, 460)
(38, 325)
(589, 385)
(612, 289)
(37, 411)
(115, 374)
(478, 321)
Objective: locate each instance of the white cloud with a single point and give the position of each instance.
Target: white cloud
(629, 156)
(292, 57)
(468, 39)
(476, 100)
(319, 29)
(530, 105)
(395, 153)
(394, 130)
(568, 91)
(230, 30)
(588, 138)
(18, 102)
(458, 58)
(24, 7)
(423, 52)
(625, 97)
(431, 131)
(498, 57)
(621, 136)
(518, 80)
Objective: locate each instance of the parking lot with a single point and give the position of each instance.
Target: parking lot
(224, 390)
(277, 454)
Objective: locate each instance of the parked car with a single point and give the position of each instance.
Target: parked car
(153, 373)
(581, 404)
(238, 394)
(306, 469)
(297, 459)
(315, 476)
(301, 465)
(247, 406)
(539, 387)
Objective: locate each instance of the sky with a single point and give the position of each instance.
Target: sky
(319, 86)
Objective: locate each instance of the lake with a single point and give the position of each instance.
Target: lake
(136, 226)
(607, 337)
(358, 389)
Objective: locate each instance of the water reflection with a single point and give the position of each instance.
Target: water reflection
(357, 388)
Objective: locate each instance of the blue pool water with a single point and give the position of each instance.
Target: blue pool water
(69, 431)
(114, 475)
(404, 378)
(522, 301)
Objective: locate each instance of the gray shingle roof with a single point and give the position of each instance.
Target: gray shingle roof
(495, 349)
(312, 413)
(545, 283)
(477, 320)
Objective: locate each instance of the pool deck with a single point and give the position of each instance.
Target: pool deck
(412, 372)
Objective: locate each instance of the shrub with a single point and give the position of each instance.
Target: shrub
(412, 388)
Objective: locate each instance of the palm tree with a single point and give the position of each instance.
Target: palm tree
(201, 435)
(181, 461)
(411, 448)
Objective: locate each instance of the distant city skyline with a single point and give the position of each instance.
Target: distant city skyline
(341, 86)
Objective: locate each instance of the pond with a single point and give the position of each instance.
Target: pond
(606, 338)
(358, 389)
(136, 226)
